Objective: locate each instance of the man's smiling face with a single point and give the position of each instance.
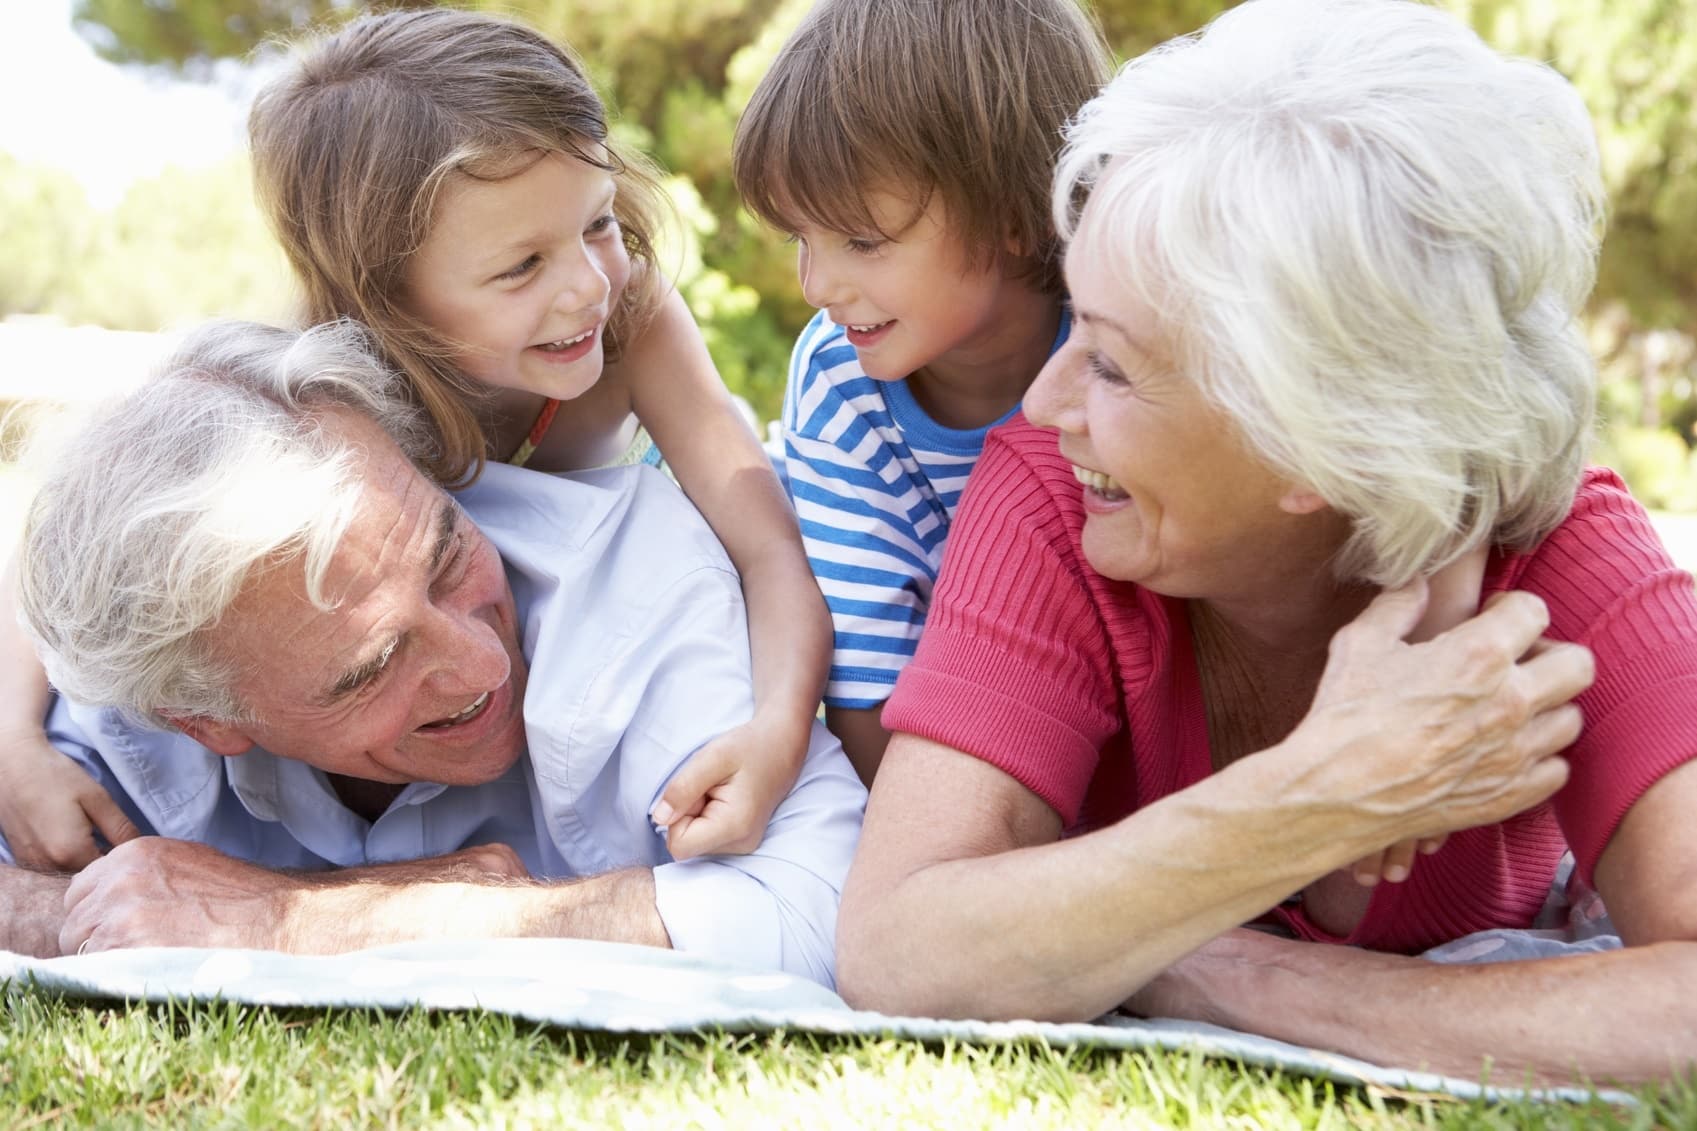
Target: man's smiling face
(414, 674)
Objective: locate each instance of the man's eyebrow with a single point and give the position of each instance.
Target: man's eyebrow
(447, 521)
(362, 673)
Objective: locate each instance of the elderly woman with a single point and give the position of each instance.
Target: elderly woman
(1325, 259)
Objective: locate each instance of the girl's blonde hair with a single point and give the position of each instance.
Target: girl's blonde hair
(353, 145)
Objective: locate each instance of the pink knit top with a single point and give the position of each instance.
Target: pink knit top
(1086, 691)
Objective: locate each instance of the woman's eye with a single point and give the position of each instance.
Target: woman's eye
(519, 270)
(1100, 367)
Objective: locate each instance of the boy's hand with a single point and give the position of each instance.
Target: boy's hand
(1452, 596)
(722, 798)
(51, 810)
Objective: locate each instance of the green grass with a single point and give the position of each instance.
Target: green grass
(63, 1063)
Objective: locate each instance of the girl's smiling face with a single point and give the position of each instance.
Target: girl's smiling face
(520, 275)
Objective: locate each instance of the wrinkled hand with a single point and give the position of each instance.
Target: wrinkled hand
(722, 798)
(1452, 596)
(50, 809)
(158, 892)
(1425, 739)
(479, 863)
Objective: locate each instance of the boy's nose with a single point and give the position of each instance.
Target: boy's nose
(815, 279)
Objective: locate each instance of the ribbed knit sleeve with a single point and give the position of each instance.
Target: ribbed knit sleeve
(1015, 665)
(1611, 586)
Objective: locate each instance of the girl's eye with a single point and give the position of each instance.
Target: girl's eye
(603, 224)
(518, 271)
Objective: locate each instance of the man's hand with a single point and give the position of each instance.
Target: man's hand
(723, 797)
(51, 810)
(158, 892)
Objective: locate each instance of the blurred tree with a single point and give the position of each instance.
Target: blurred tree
(46, 226)
(1635, 63)
(191, 35)
(185, 245)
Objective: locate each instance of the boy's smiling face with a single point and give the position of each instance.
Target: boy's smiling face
(909, 300)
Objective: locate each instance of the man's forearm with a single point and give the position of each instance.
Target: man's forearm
(159, 892)
(32, 909)
(1614, 1017)
(378, 908)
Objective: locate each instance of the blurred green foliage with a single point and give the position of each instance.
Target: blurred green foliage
(678, 72)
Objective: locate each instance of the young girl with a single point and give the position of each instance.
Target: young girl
(446, 178)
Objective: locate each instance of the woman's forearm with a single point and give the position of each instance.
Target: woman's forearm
(1616, 1017)
(1068, 930)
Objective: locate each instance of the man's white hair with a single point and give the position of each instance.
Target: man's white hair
(153, 515)
(1369, 235)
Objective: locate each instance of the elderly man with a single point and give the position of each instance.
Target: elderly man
(300, 663)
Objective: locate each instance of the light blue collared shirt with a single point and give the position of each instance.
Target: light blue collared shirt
(633, 623)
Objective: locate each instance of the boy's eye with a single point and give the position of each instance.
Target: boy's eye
(519, 270)
(863, 246)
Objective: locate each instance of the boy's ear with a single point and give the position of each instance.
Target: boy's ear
(216, 735)
(1299, 498)
(1016, 245)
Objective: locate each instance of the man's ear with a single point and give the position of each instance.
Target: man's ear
(1300, 499)
(214, 734)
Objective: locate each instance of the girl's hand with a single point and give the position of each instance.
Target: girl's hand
(722, 798)
(51, 810)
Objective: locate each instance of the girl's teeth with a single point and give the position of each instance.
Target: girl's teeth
(565, 343)
(869, 329)
(1096, 481)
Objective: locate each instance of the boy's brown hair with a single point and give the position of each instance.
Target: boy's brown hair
(353, 145)
(962, 98)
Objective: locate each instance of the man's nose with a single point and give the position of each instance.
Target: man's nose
(469, 656)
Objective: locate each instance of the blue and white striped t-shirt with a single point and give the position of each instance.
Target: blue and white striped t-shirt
(875, 482)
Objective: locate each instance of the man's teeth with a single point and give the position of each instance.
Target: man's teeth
(476, 706)
(1096, 481)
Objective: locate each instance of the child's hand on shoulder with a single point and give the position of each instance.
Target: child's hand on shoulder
(51, 810)
(722, 798)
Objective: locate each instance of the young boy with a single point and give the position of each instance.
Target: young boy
(908, 146)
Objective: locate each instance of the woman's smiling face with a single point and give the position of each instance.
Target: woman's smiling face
(1173, 498)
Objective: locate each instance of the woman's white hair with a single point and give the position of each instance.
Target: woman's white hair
(152, 516)
(1369, 234)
